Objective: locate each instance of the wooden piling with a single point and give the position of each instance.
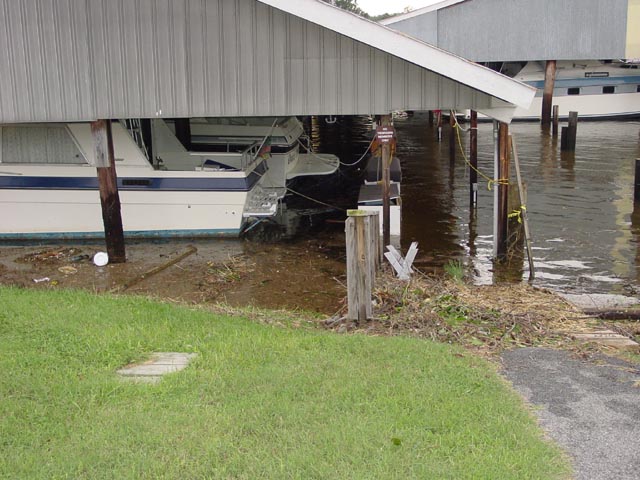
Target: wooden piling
(569, 133)
(473, 159)
(547, 95)
(636, 192)
(439, 117)
(108, 184)
(386, 185)
(503, 189)
(452, 136)
(556, 118)
(431, 118)
(363, 253)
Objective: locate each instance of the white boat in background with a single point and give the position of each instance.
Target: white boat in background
(49, 187)
(594, 89)
(286, 136)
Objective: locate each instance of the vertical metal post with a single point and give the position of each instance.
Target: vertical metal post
(386, 186)
(439, 115)
(547, 95)
(108, 184)
(473, 159)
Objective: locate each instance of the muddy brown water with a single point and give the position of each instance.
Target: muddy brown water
(586, 239)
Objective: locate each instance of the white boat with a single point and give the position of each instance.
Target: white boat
(49, 187)
(594, 89)
(286, 136)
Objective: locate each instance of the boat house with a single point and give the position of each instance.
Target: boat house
(580, 35)
(99, 60)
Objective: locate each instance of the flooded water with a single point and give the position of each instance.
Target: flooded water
(580, 205)
(585, 236)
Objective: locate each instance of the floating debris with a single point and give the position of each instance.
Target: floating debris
(68, 270)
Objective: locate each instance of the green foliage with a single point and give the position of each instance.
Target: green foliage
(455, 270)
(258, 402)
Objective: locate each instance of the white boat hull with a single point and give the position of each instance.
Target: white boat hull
(34, 214)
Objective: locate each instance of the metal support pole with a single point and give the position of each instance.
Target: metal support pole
(386, 186)
(473, 159)
(108, 184)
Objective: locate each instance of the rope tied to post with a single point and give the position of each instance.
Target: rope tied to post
(490, 181)
(518, 213)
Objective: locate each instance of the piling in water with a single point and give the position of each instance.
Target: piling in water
(569, 133)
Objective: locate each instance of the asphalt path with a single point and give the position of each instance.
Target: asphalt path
(590, 408)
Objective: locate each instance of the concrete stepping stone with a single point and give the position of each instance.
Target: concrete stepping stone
(160, 363)
(607, 337)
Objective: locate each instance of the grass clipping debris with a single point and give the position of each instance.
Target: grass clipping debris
(488, 319)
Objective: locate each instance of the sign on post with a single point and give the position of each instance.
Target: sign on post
(385, 134)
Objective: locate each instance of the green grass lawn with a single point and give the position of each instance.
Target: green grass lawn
(259, 401)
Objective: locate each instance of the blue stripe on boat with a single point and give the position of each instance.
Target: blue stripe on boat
(588, 82)
(136, 183)
(127, 234)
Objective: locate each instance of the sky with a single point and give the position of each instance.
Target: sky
(376, 7)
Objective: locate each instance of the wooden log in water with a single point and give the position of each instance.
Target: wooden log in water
(149, 273)
(614, 314)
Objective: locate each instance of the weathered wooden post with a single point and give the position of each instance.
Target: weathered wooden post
(385, 135)
(503, 189)
(547, 95)
(556, 118)
(431, 118)
(473, 159)
(108, 184)
(636, 191)
(363, 256)
(439, 115)
(569, 133)
(452, 136)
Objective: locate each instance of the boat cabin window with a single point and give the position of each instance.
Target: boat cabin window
(39, 144)
(573, 91)
(609, 89)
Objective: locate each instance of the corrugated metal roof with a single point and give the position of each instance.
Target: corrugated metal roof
(78, 60)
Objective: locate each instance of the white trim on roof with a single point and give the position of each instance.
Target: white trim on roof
(421, 11)
(408, 48)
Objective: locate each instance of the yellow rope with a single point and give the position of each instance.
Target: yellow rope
(518, 213)
(490, 181)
